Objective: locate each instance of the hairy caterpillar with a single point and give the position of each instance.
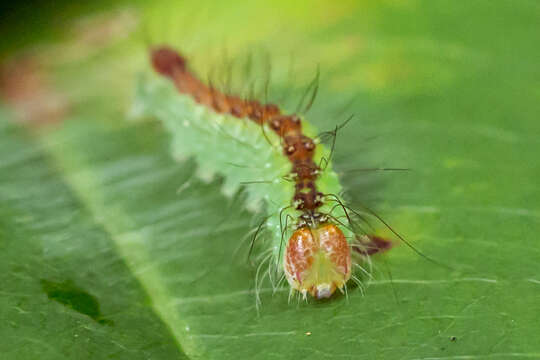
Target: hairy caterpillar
(299, 185)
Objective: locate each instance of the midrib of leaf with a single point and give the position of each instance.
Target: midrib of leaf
(129, 244)
(48, 234)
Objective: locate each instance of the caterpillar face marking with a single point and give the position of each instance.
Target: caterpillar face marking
(317, 260)
(317, 257)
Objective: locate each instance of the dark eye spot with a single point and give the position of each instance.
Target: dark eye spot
(319, 196)
(275, 124)
(309, 145)
(290, 149)
(299, 200)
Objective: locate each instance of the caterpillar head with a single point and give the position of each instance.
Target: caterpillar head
(317, 260)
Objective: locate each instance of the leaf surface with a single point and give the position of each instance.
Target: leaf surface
(105, 254)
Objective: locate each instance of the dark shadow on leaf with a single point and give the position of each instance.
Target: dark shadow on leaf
(68, 294)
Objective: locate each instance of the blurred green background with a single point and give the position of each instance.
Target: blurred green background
(101, 257)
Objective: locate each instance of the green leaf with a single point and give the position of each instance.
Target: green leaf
(105, 254)
(66, 291)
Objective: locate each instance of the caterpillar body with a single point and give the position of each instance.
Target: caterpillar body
(315, 255)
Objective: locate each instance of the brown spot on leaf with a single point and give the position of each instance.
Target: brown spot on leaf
(26, 86)
(371, 244)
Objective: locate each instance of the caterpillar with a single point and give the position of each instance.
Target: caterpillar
(316, 256)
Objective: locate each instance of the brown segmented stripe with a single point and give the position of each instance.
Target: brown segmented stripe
(298, 148)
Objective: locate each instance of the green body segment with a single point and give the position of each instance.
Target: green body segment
(237, 149)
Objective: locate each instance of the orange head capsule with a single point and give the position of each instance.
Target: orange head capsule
(317, 260)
